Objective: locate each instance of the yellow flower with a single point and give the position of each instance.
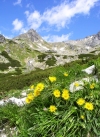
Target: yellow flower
(30, 96)
(92, 86)
(89, 106)
(52, 108)
(56, 93)
(32, 87)
(27, 100)
(82, 117)
(80, 101)
(76, 84)
(65, 74)
(36, 92)
(52, 79)
(65, 94)
(38, 89)
(40, 86)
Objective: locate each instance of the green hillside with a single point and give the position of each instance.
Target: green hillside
(48, 115)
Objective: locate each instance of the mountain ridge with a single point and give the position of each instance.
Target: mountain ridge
(31, 51)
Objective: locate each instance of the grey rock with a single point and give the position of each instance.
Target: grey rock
(2, 38)
(90, 70)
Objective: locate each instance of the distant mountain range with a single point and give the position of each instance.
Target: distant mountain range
(29, 51)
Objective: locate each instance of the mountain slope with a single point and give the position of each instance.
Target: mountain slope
(29, 51)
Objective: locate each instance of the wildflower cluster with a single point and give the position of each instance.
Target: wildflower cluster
(36, 92)
(87, 105)
(64, 94)
(62, 106)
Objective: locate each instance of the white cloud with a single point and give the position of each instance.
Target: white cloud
(18, 25)
(56, 38)
(18, 2)
(34, 19)
(60, 16)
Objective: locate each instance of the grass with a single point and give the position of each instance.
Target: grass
(70, 119)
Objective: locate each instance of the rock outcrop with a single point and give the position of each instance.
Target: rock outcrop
(2, 38)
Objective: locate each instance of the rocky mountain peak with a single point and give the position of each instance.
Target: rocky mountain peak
(30, 35)
(33, 35)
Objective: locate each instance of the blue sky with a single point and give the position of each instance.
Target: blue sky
(54, 20)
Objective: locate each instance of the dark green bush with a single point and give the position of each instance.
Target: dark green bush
(12, 62)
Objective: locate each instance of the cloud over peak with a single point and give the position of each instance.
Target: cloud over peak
(18, 25)
(34, 19)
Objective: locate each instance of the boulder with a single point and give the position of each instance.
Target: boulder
(90, 70)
